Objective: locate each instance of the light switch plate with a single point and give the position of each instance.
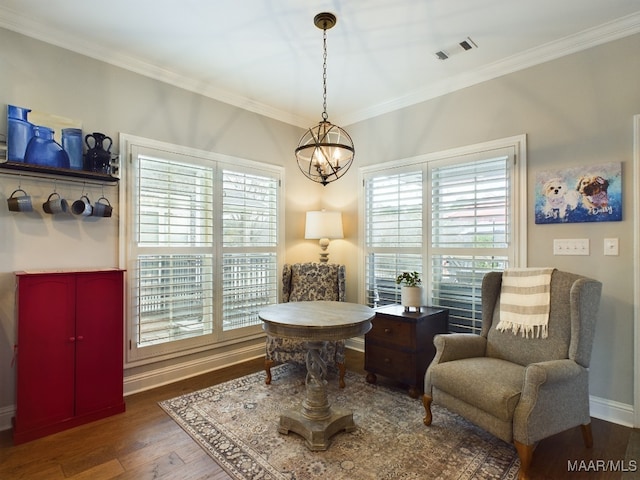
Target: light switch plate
(571, 246)
(611, 246)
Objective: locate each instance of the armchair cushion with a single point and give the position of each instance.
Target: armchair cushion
(497, 394)
(281, 350)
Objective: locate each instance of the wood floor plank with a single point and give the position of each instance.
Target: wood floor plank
(104, 471)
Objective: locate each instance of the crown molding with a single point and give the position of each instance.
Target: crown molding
(615, 30)
(607, 32)
(43, 32)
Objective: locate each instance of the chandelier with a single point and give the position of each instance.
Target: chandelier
(325, 152)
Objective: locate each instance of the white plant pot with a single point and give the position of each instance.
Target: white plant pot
(412, 297)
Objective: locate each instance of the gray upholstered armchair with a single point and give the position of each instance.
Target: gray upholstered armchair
(520, 389)
(307, 282)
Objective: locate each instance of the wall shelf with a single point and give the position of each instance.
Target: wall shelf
(38, 171)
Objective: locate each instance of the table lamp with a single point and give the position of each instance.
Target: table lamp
(323, 226)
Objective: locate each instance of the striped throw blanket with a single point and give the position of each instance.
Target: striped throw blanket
(524, 301)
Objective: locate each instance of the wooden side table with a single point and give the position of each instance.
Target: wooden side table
(400, 344)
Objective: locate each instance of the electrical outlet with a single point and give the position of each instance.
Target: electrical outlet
(571, 246)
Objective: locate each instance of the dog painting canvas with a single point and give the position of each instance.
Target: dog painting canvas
(580, 194)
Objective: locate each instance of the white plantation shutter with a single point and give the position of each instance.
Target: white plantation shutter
(393, 233)
(470, 224)
(250, 237)
(203, 248)
(450, 217)
(174, 266)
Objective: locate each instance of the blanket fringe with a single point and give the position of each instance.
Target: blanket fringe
(527, 331)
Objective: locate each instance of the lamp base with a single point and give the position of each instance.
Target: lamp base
(324, 255)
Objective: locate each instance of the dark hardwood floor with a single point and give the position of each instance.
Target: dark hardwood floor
(144, 443)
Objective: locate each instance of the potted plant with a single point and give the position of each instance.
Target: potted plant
(411, 293)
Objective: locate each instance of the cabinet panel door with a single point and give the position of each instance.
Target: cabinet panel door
(46, 344)
(99, 349)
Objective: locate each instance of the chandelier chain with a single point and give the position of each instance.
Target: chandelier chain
(325, 116)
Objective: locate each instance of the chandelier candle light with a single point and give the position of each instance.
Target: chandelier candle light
(325, 152)
(322, 226)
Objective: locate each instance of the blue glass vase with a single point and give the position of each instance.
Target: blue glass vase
(72, 144)
(44, 150)
(20, 132)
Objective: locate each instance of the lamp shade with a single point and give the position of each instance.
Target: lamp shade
(323, 224)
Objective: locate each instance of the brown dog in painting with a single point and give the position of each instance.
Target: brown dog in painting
(594, 191)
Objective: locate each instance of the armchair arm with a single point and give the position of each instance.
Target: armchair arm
(455, 346)
(549, 372)
(555, 397)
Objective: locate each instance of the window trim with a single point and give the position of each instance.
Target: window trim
(518, 194)
(218, 162)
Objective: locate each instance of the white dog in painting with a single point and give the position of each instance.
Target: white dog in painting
(559, 199)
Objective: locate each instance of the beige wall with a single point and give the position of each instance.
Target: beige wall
(576, 111)
(109, 100)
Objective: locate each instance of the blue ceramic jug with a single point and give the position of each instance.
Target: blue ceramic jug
(44, 150)
(20, 132)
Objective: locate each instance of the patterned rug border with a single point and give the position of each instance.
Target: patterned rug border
(244, 457)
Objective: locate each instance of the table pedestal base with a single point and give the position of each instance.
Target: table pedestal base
(316, 421)
(317, 433)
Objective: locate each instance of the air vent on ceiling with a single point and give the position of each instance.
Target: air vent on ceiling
(464, 46)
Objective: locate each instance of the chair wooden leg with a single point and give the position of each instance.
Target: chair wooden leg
(525, 452)
(587, 435)
(342, 369)
(426, 401)
(267, 368)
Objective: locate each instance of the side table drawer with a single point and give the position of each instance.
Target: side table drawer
(391, 331)
(390, 362)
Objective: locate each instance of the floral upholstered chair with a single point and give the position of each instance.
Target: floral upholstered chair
(521, 386)
(307, 282)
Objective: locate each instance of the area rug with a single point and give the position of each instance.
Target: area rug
(236, 423)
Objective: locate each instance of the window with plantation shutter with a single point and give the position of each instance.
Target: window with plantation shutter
(202, 255)
(452, 216)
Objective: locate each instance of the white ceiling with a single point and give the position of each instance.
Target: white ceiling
(266, 55)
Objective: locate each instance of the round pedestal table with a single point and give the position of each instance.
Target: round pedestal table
(316, 323)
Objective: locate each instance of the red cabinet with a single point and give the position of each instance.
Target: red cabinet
(69, 350)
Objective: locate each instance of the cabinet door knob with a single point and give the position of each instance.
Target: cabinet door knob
(72, 339)
(387, 360)
(387, 330)
(80, 338)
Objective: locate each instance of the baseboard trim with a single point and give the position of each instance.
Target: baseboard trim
(183, 370)
(611, 411)
(356, 343)
(6, 414)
